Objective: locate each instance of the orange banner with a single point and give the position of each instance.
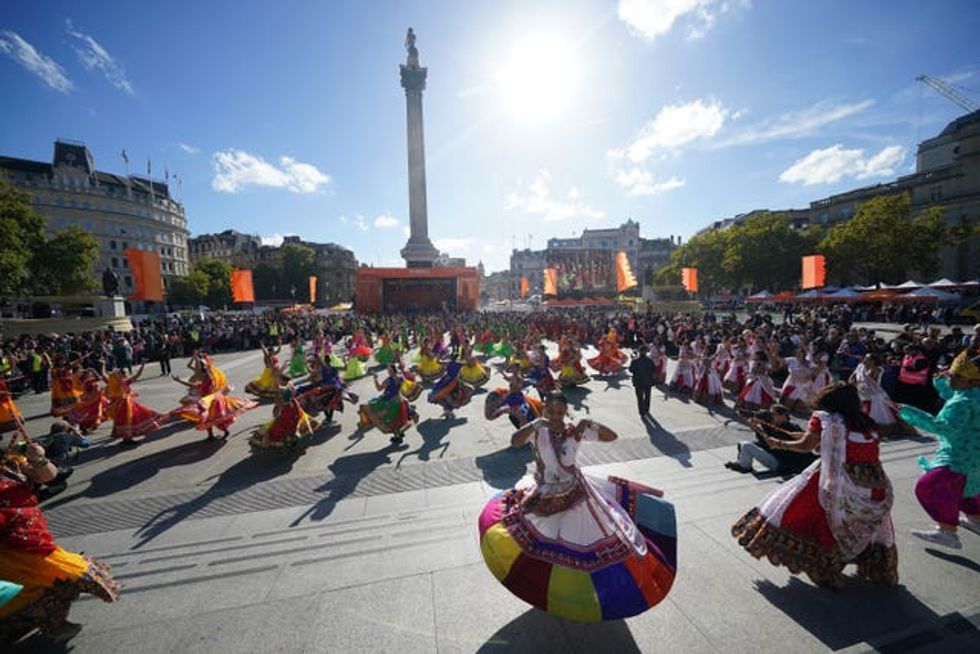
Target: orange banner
(523, 286)
(147, 282)
(814, 271)
(312, 289)
(625, 279)
(241, 286)
(689, 278)
(550, 281)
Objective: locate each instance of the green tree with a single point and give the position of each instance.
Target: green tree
(298, 263)
(190, 290)
(705, 252)
(764, 252)
(268, 282)
(884, 242)
(63, 265)
(218, 273)
(21, 235)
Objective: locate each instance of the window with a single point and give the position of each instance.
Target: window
(128, 280)
(936, 193)
(125, 244)
(115, 262)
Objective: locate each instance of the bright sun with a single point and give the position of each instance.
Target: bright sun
(538, 80)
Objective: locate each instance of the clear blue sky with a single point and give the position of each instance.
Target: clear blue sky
(541, 118)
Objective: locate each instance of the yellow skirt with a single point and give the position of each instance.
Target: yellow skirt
(38, 573)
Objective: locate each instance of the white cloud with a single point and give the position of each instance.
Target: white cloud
(95, 57)
(235, 169)
(406, 230)
(487, 249)
(537, 200)
(275, 239)
(834, 163)
(189, 149)
(637, 180)
(46, 68)
(385, 221)
(793, 124)
(674, 126)
(454, 246)
(649, 19)
(357, 221)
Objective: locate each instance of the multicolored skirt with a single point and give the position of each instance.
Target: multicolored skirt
(608, 364)
(285, 430)
(572, 376)
(389, 416)
(88, 413)
(223, 410)
(430, 369)
(384, 355)
(355, 370)
(476, 375)
(264, 386)
(587, 584)
(453, 394)
(131, 419)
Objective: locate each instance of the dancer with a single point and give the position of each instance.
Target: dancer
(707, 387)
(610, 359)
(266, 385)
(385, 354)
(449, 392)
(819, 363)
(389, 411)
(50, 578)
(682, 381)
(473, 373)
(289, 424)
(92, 408)
(875, 401)
(512, 402)
(504, 348)
(10, 416)
(360, 347)
(569, 364)
(758, 392)
(130, 419)
(354, 369)
(570, 544)
(539, 373)
(659, 358)
(325, 392)
(951, 484)
(428, 367)
(737, 373)
(65, 388)
(297, 362)
(835, 512)
(797, 392)
(215, 407)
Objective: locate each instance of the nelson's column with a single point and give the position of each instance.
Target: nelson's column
(419, 251)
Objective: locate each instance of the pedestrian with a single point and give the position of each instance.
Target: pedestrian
(644, 377)
(163, 354)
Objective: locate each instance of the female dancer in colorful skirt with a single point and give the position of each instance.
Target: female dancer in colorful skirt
(65, 388)
(354, 369)
(797, 390)
(360, 347)
(512, 402)
(289, 424)
(297, 363)
(875, 401)
(130, 419)
(266, 385)
(92, 408)
(951, 484)
(821, 372)
(325, 391)
(428, 367)
(485, 342)
(473, 372)
(540, 372)
(385, 354)
(657, 354)
(10, 416)
(707, 386)
(449, 392)
(410, 389)
(758, 392)
(838, 510)
(389, 411)
(737, 373)
(610, 359)
(723, 358)
(571, 372)
(504, 348)
(682, 381)
(51, 578)
(216, 408)
(576, 546)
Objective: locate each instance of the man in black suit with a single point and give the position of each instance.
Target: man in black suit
(644, 376)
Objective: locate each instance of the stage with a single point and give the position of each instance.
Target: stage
(421, 289)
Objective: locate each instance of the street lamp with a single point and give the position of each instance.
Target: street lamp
(292, 292)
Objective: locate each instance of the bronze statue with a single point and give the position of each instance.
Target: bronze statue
(413, 52)
(110, 283)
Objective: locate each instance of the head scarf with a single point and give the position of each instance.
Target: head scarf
(966, 365)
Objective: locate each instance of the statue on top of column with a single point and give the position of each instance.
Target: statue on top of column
(413, 52)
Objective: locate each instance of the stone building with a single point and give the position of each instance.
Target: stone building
(654, 254)
(527, 263)
(624, 238)
(336, 268)
(240, 250)
(119, 211)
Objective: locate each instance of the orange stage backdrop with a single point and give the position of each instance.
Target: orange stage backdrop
(689, 278)
(241, 286)
(625, 279)
(370, 283)
(312, 289)
(550, 281)
(814, 271)
(147, 281)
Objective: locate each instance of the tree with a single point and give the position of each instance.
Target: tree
(883, 242)
(218, 273)
(298, 263)
(190, 290)
(764, 252)
(63, 265)
(268, 282)
(21, 235)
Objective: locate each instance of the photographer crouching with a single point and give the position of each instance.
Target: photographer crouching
(770, 427)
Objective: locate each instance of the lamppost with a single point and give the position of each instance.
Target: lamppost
(292, 292)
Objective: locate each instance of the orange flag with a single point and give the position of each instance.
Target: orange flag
(241, 286)
(689, 278)
(550, 281)
(814, 271)
(312, 289)
(625, 278)
(147, 282)
(523, 286)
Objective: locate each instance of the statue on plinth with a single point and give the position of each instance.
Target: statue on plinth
(413, 52)
(110, 283)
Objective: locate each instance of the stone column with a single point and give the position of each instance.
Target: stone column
(419, 251)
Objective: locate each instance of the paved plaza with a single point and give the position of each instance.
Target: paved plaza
(359, 545)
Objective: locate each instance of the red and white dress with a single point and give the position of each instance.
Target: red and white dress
(797, 387)
(837, 511)
(659, 364)
(682, 381)
(876, 402)
(737, 373)
(708, 388)
(758, 392)
(821, 374)
(723, 360)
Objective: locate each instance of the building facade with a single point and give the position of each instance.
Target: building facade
(240, 250)
(335, 266)
(530, 264)
(119, 211)
(624, 238)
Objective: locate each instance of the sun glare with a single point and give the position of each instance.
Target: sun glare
(539, 79)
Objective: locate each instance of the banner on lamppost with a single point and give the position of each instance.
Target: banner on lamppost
(689, 278)
(312, 289)
(814, 271)
(241, 286)
(147, 281)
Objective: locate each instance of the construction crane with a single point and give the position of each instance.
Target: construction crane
(948, 92)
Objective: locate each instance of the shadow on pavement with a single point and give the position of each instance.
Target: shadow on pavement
(969, 564)
(667, 443)
(503, 468)
(432, 430)
(576, 396)
(537, 631)
(859, 613)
